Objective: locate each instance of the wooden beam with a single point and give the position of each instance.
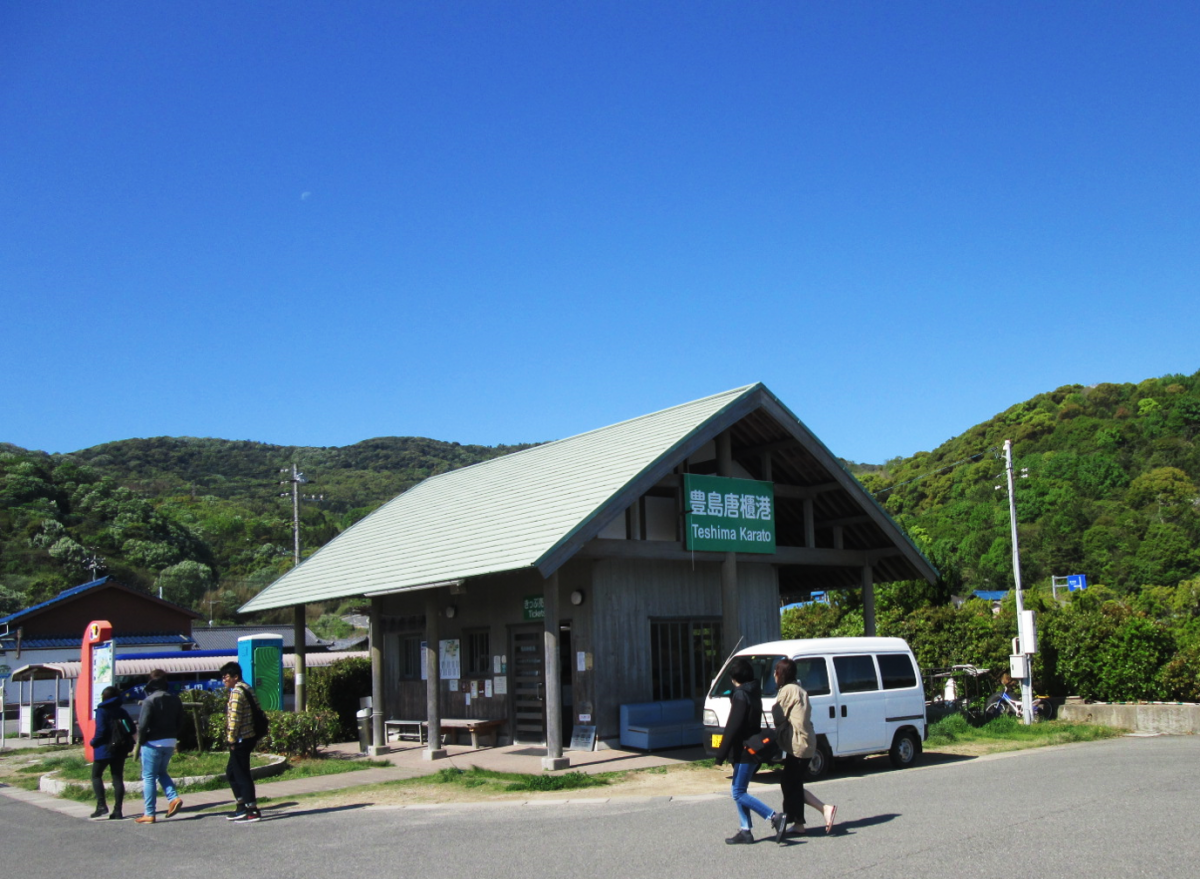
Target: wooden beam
(845, 520)
(804, 492)
(669, 550)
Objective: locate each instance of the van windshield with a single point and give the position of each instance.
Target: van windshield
(764, 668)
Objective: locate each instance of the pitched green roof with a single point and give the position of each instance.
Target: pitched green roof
(513, 512)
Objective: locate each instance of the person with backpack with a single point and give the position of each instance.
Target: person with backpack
(159, 725)
(792, 714)
(745, 720)
(244, 725)
(111, 745)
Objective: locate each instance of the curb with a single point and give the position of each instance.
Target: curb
(48, 784)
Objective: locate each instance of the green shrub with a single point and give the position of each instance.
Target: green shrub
(292, 734)
(338, 688)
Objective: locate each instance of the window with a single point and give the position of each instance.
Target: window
(764, 670)
(855, 674)
(896, 669)
(684, 656)
(410, 657)
(477, 653)
(813, 675)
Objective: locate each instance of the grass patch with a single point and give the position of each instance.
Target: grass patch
(73, 767)
(955, 730)
(488, 780)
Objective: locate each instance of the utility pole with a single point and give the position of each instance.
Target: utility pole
(1025, 630)
(298, 628)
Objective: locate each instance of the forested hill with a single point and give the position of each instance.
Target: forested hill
(1110, 492)
(1107, 487)
(203, 518)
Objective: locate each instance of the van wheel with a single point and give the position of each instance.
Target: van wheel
(905, 748)
(822, 760)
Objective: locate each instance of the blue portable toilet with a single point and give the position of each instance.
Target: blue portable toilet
(261, 659)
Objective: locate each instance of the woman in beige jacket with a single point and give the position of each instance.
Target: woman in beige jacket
(793, 721)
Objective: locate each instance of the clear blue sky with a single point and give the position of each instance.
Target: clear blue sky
(496, 222)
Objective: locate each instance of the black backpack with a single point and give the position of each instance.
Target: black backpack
(121, 739)
(262, 725)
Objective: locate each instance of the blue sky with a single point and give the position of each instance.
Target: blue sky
(495, 222)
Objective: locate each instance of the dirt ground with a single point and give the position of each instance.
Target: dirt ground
(675, 781)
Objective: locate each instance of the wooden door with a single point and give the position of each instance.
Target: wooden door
(527, 684)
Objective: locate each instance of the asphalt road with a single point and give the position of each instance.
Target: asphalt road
(1118, 808)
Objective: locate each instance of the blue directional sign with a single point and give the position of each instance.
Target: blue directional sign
(1076, 582)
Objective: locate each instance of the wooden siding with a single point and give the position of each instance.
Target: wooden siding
(629, 593)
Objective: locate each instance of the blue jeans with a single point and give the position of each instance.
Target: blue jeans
(154, 772)
(742, 773)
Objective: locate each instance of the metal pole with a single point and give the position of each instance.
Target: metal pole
(296, 512)
(1027, 681)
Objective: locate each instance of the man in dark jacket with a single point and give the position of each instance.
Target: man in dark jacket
(159, 726)
(745, 719)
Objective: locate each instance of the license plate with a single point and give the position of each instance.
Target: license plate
(716, 740)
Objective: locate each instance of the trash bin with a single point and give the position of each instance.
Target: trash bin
(364, 729)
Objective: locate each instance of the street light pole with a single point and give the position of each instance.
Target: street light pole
(1024, 638)
(298, 627)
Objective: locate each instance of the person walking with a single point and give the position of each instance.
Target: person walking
(745, 720)
(241, 737)
(792, 714)
(159, 726)
(110, 751)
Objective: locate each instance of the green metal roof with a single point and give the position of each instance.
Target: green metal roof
(518, 511)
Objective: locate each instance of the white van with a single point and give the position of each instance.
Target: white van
(867, 696)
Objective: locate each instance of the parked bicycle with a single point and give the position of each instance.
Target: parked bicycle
(1002, 703)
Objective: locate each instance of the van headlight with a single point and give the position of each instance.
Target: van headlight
(710, 717)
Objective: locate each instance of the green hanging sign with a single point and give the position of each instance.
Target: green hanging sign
(728, 515)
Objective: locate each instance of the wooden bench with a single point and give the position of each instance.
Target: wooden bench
(474, 726)
(401, 729)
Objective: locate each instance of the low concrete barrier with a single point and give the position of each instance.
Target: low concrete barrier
(51, 784)
(1167, 719)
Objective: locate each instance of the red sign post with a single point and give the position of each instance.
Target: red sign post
(98, 633)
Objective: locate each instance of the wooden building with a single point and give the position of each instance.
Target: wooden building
(548, 587)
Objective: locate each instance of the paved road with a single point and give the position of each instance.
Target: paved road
(1119, 808)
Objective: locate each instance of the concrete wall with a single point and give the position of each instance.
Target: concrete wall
(1166, 719)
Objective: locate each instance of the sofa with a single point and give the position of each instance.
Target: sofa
(668, 724)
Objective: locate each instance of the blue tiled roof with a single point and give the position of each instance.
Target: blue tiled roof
(990, 596)
(62, 596)
(79, 590)
(9, 642)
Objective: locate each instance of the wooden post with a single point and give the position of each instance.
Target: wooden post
(300, 652)
(378, 736)
(731, 621)
(554, 758)
(433, 684)
(868, 597)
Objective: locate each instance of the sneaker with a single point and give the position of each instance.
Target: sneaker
(239, 814)
(174, 806)
(144, 819)
(101, 811)
(779, 822)
(252, 816)
(743, 837)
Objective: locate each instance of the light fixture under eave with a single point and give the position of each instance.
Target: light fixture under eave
(451, 611)
(577, 597)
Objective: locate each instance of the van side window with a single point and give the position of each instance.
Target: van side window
(897, 671)
(855, 674)
(813, 675)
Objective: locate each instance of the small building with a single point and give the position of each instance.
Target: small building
(546, 588)
(52, 631)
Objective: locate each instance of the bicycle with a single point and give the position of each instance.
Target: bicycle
(1002, 703)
